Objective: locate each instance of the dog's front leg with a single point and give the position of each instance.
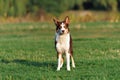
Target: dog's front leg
(68, 61)
(59, 61)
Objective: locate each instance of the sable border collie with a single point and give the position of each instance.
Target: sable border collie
(63, 43)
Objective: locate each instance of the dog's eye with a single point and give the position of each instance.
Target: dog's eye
(65, 26)
(59, 27)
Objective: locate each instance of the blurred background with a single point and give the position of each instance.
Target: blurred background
(45, 10)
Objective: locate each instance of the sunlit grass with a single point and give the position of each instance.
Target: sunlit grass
(27, 52)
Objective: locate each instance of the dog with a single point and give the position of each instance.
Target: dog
(63, 43)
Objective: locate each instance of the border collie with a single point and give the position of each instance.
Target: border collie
(63, 43)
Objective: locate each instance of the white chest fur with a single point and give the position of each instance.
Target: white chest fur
(63, 42)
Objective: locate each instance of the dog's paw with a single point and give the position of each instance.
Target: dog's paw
(68, 68)
(73, 66)
(58, 69)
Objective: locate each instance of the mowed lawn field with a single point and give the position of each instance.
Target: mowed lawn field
(27, 52)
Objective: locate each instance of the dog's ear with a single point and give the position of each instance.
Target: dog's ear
(55, 21)
(67, 21)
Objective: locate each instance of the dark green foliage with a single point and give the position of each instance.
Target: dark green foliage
(23, 7)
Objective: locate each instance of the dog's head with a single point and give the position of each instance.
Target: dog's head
(62, 27)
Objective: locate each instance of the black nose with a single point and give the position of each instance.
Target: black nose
(63, 31)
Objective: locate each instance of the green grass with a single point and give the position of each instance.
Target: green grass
(27, 52)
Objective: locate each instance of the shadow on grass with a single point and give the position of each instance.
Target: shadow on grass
(46, 64)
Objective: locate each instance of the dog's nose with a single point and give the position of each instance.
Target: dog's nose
(63, 31)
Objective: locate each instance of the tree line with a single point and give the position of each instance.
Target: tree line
(17, 8)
